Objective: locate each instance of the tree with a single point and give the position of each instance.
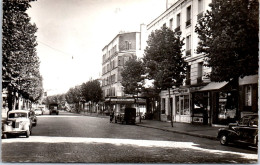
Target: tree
(132, 76)
(20, 64)
(228, 36)
(163, 59)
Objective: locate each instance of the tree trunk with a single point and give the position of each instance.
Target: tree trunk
(170, 106)
(10, 99)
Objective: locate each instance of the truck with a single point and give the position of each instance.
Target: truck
(53, 109)
(126, 116)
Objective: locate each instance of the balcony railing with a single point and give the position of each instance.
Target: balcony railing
(188, 53)
(199, 16)
(188, 23)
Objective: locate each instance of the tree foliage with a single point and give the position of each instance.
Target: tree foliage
(92, 91)
(20, 63)
(132, 76)
(163, 58)
(228, 36)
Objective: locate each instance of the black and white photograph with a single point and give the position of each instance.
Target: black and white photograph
(130, 81)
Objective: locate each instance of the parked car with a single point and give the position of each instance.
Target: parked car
(126, 116)
(18, 122)
(33, 117)
(38, 112)
(244, 131)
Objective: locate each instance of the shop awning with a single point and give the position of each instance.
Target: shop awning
(248, 80)
(214, 86)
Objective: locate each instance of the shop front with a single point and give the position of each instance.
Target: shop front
(216, 103)
(182, 106)
(117, 103)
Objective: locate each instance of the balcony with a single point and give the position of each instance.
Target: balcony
(188, 53)
(199, 16)
(188, 23)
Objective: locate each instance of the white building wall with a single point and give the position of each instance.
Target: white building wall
(194, 59)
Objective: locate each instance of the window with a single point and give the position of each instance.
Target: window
(171, 24)
(187, 82)
(200, 6)
(183, 105)
(120, 61)
(178, 22)
(200, 72)
(188, 45)
(163, 105)
(200, 9)
(177, 105)
(128, 45)
(108, 68)
(248, 95)
(188, 22)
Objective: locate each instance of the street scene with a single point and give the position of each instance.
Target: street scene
(140, 81)
(75, 138)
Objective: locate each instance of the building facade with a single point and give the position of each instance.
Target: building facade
(199, 100)
(115, 54)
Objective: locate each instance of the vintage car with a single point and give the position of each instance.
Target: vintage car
(126, 116)
(38, 112)
(18, 122)
(244, 131)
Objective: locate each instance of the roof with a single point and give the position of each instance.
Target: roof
(18, 111)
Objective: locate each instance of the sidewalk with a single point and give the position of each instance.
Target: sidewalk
(203, 131)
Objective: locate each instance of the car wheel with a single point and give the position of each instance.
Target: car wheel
(223, 139)
(27, 134)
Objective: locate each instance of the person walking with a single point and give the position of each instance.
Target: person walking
(111, 116)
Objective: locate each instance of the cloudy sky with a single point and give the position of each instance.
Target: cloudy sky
(72, 33)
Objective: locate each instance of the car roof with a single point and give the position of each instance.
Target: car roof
(18, 111)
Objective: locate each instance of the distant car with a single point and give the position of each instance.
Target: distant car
(53, 109)
(245, 131)
(38, 112)
(18, 122)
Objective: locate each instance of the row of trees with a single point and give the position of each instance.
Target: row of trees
(229, 41)
(20, 63)
(86, 92)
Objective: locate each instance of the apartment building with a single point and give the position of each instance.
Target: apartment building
(116, 53)
(199, 100)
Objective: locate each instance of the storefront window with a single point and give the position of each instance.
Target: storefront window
(183, 105)
(227, 107)
(186, 109)
(177, 105)
(248, 95)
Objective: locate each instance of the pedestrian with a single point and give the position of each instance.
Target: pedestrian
(111, 116)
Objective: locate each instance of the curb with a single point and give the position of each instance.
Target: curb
(181, 132)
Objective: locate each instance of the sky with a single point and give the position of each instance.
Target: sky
(72, 33)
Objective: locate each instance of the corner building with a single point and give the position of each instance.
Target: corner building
(199, 100)
(123, 47)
